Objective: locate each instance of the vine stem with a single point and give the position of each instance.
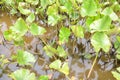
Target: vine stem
(92, 66)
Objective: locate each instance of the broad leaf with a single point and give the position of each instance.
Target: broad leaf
(52, 10)
(108, 11)
(102, 24)
(61, 52)
(22, 10)
(30, 18)
(56, 64)
(20, 27)
(53, 19)
(65, 68)
(37, 30)
(88, 8)
(43, 77)
(78, 31)
(44, 3)
(50, 51)
(23, 74)
(64, 35)
(8, 35)
(24, 57)
(100, 40)
(116, 75)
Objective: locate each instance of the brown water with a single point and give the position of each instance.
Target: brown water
(79, 67)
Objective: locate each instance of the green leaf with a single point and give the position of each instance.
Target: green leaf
(37, 30)
(30, 18)
(88, 8)
(102, 24)
(61, 52)
(53, 19)
(33, 2)
(50, 51)
(64, 35)
(52, 10)
(24, 57)
(118, 69)
(8, 35)
(20, 27)
(100, 40)
(56, 64)
(78, 31)
(44, 3)
(116, 75)
(43, 77)
(23, 74)
(22, 9)
(118, 56)
(65, 68)
(108, 11)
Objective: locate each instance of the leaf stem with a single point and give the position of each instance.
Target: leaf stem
(92, 65)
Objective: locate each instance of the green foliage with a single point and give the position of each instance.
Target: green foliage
(24, 57)
(116, 74)
(98, 18)
(23, 10)
(43, 77)
(50, 51)
(88, 8)
(33, 2)
(23, 74)
(37, 30)
(64, 35)
(57, 64)
(3, 61)
(20, 27)
(30, 18)
(102, 24)
(108, 11)
(78, 31)
(100, 41)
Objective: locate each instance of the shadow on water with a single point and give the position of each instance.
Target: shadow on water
(79, 67)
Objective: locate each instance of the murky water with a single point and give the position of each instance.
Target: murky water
(79, 67)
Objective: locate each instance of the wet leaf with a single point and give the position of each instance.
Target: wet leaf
(56, 64)
(50, 51)
(23, 74)
(43, 77)
(24, 57)
(108, 11)
(64, 35)
(30, 18)
(61, 52)
(65, 68)
(88, 8)
(100, 40)
(20, 27)
(37, 30)
(102, 24)
(78, 31)
(33, 2)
